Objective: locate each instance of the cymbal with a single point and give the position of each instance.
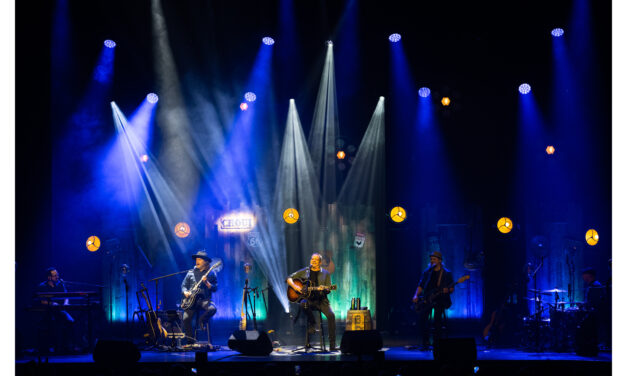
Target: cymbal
(554, 290)
(539, 292)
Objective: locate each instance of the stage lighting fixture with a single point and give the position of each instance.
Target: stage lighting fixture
(505, 225)
(181, 230)
(152, 98)
(290, 215)
(144, 158)
(446, 101)
(394, 37)
(424, 92)
(341, 155)
(93, 243)
(268, 41)
(557, 32)
(250, 96)
(550, 150)
(398, 214)
(592, 237)
(243, 106)
(109, 43)
(524, 88)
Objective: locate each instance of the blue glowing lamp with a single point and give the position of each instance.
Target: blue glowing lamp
(557, 32)
(394, 37)
(268, 41)
(524, 88)
(109, 43)
(424, 92)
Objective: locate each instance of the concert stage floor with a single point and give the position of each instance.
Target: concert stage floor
(395, 360)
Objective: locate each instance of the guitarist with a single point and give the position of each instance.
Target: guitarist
(315, 276)
(203, 303)
(434, 279)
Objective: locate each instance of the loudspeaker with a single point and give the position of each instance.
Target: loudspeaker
(109, 351)
(250, 342)
(361, 342)
(455, 350)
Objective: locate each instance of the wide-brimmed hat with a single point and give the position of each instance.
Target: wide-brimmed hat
(436, 254)
(203, 255)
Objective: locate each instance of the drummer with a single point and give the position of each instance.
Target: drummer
(594, 292)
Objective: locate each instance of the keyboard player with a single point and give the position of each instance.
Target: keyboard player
(56, 323)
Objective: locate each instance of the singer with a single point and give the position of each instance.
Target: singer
(56, 326)
(435, 278)
(204, 304)
(315, 276)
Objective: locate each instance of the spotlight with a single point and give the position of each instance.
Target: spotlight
(181, 230)
(398, 214)
(505, 225)
(341, 155)
(524, 88)
(250, 96)
(144, 158)
(330, 43)
(592, 237)
(152, 98)
(550, 150)
(394, 37)
(424, 92)
(290, 215)
(446, 101)
(93, 243)
(109, 43)
(557, 32)
(243, 106)
(268, 41)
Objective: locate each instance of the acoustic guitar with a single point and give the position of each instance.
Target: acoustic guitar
(428, 301)
(189, 301)
(294, 296)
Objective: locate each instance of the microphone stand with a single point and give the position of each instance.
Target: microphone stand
(537, 311)
(156, 280)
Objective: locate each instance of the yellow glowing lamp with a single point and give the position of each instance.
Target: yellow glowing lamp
(550, 150)
(592, 237)
(446, 101)
(341, 155)
(398, 214)
(93, 243)
(290, 215)
(505, 225)
(181, 230)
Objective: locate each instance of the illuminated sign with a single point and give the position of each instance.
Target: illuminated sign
(236, 222)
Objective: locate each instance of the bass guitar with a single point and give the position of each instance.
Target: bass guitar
(294, 296)
(190, 300)
(426, 302)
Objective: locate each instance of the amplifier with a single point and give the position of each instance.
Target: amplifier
(358, 319)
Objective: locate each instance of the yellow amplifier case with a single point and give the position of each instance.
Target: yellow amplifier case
(358, 320)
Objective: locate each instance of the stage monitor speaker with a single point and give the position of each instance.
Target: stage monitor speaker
(361, 342)
(455, 350)
(250, 342)
(115, 352)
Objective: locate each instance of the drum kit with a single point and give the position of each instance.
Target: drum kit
(557, 330)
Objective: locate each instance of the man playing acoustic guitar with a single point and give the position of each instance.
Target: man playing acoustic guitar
(208, 285)
(436, 278)
(317, 300)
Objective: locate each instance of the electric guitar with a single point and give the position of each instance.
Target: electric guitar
(426, 302)
(294, 296)
(189, 301)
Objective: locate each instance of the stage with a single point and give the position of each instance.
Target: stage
(391, 360)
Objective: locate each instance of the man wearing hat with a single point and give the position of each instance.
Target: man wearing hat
(203, 303)
(435, 278)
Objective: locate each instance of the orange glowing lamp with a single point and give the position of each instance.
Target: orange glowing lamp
(341, 155)
(181, 230)
(290, 215)
(505, 225)
(93, 243)
(243, 106)
(446, 101)
(592, 237)
(398, 214)
(550, 150)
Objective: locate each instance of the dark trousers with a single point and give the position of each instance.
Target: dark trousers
(56, 330)
(438, 324)
(206, 310)
(323, 306)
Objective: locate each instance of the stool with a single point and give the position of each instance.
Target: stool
(322, 344)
